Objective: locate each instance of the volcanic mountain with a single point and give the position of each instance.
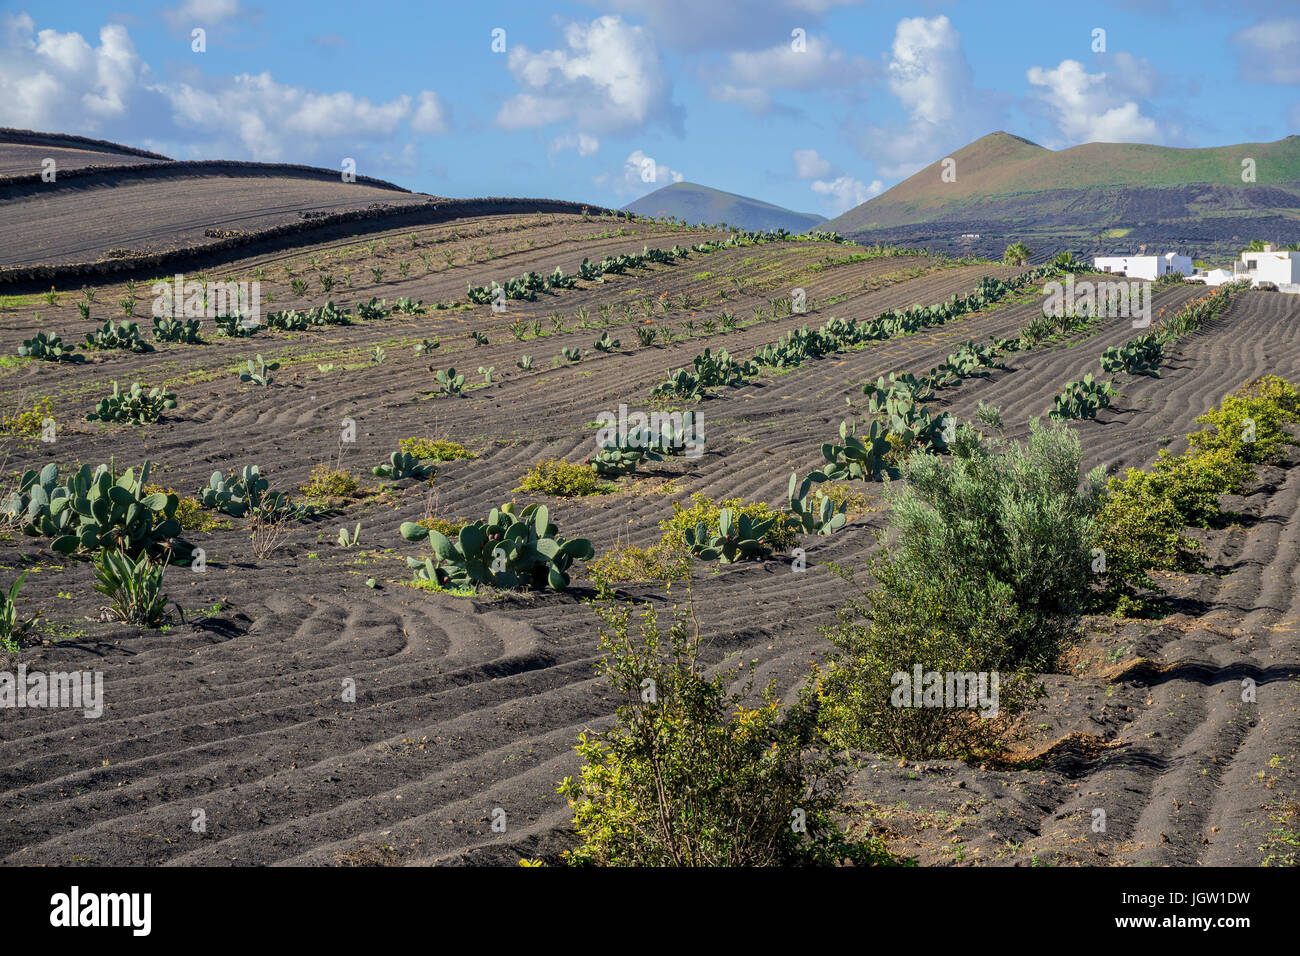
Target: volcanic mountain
(1096, 197)
(693, 203)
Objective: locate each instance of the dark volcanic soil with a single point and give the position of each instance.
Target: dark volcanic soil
(467, 705)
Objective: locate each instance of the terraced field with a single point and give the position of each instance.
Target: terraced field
(464, 705)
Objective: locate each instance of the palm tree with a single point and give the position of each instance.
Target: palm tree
(1017, 254)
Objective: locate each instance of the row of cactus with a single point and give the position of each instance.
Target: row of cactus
(709, 369)
(185, 332)
(96, 509)
(529, 284)
(797, 346)
(374, 309)
(233, 326)
(508, 550)
(971, 359)
(248, 492)
(294, 320)
(48, 348)
(111, 335)
(408, 306)
(1082, 399)
(134, 406)
(1139, 356)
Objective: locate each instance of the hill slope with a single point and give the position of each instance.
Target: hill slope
(694, 203)
(1094, 196)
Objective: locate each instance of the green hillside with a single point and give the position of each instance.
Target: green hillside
(693, 203)
(1005, 170)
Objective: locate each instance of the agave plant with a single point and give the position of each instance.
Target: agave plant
(12, 628)
(134, 587)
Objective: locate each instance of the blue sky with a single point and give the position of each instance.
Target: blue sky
(588, 98)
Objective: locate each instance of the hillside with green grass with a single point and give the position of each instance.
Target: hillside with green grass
(1094, 198)
(694, 203)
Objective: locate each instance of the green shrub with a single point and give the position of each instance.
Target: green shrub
(189, 514)
(1248, 428)
(1139, 531)
(629, 563)
(690, 775)
(704, 510)
(29, 423)
(1001, 516)
(562, 479)
(435, 449)
(949, 625)
(326, 483)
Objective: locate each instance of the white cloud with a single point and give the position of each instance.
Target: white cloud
(929, 74)
(845, 192)
(53, 80)
(839, 191)
(610, 79)
(59, 82)
(584, 143)
(1269, 52)
(275, 122)
(1087, 107)
(928, 71)
(751, 75)
(430, 114)
(640, 175)
(722, 24)
(808, 164)
(201, 13)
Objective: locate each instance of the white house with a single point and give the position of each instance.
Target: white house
(1214, 276)
(1144, 267)
(1281, 269)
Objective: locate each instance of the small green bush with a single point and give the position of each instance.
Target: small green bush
(562, 479)
(1249, 428)
(947, 625)
(1001, 515)
(690, 775)
(783, 535)
(437, 450)
(325, 483)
